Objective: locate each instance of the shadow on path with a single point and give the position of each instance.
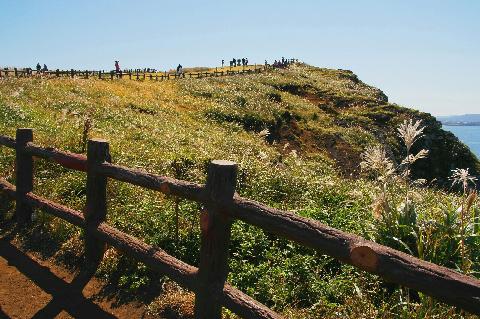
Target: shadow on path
(3, 315)
(65, 296)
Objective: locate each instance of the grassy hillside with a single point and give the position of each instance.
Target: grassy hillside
(297, 135)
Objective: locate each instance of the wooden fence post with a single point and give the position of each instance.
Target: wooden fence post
(215, 227)
(24, 175)
(16, 72)
(96, 203)
(72, 73)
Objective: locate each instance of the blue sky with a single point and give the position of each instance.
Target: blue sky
(423, 54)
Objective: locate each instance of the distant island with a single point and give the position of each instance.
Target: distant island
(460, 120)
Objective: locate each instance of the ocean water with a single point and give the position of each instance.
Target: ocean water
(469, 135)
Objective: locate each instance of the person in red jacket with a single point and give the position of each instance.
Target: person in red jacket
(117, 67)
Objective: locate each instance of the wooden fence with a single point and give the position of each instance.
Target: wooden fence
(223, 206)
(132, 75)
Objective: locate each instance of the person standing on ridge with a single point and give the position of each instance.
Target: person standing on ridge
(223, 62)
(179, 70)
(39, 67)
(117, 67)
(45, 69)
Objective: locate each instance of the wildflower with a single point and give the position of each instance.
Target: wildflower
(410, 132)
(262, 155)
(375, 160)
(264, 133)
(462, 177)
(410, 159)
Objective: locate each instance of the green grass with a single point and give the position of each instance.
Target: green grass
(318, 122)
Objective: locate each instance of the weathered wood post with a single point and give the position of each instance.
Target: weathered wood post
(72, 73)
(24, 174)
(111, 75)
(57, 72)
(215, 224)
(86, 74)
(129, 75)
(16, 72)
(99, 74)
(96, 203)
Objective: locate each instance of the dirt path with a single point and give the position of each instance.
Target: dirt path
(32, 288)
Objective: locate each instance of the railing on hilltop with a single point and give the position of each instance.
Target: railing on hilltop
(135, 74)
(223, 206)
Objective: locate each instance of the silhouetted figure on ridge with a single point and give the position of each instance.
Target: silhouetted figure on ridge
(180, 70)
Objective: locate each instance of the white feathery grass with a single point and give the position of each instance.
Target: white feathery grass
(375, 160)
(410, 159)
(462, 177)
(410, 131)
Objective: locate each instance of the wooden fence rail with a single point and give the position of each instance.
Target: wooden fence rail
(133, 75)
(223, 206)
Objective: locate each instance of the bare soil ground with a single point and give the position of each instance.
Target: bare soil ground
(34, 288)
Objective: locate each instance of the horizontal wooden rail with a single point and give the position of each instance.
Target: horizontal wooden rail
(153, 257)
(66, 159)
(166, 185)
(7, 141)
(442, 283)
(72, 216)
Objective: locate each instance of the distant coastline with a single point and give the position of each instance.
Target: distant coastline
(460, 123)
(460, 120)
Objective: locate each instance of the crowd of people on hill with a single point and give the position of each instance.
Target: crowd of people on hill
(283, 63)
(41, 69)
(237, 62)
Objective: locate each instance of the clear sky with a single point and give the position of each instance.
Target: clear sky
(422, 54)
